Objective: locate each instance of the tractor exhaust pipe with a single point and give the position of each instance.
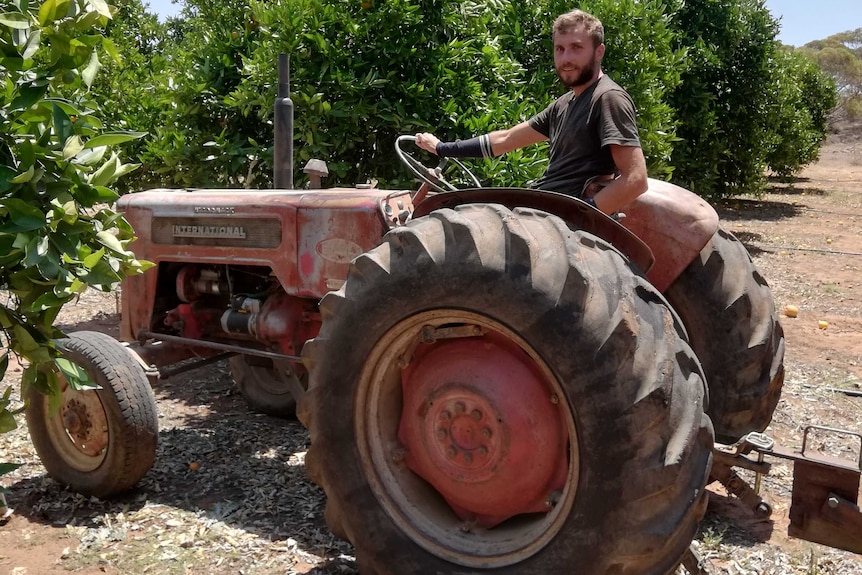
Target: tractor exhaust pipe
(283, 123)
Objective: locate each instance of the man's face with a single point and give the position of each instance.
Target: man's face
(576, 59)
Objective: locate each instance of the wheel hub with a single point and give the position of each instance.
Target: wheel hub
(481, 425)
(84, 420)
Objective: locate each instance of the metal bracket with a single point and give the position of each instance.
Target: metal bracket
(824, 503)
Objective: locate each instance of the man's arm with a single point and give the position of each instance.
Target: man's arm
(501, 141)
(632, 182)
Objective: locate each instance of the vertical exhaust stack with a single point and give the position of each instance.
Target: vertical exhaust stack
(283, 123)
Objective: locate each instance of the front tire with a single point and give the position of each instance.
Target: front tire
(101, 442)
(518, 401)
(263, 389)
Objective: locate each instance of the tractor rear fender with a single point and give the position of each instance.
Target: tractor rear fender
(675, 223)
(665, 228)
(576, 213)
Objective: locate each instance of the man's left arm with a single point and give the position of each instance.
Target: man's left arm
(632, 182)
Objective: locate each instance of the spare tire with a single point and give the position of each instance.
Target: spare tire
(493, 392)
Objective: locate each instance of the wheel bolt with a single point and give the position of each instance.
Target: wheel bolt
(486, 433)
(442, 434)
(460, 407)
(554, 399)
(468, 457)
(482, 450)
(476, 415)
(445, 415)
(452, 452)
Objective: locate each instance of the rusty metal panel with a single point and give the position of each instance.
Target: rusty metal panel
(824, 508)
(333, 229)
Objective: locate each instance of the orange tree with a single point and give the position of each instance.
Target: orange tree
(58, 235)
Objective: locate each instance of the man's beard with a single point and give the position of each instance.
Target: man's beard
(583, 78)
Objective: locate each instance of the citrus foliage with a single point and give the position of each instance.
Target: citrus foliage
(57, 236)
(718, 100)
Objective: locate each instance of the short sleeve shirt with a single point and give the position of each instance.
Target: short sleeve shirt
(580, 129)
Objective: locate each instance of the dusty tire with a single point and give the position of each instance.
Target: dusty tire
(728, 310)
(261, 387)
(101, 442)
(559, 312)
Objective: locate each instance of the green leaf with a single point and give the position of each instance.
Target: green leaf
(27, 96)
(62, 124)
(7, 423)
(25, 339)
(9, 467)
(112, 138)
(112, 51)
(110, 241)
(105, 174)
(75, 375)
(4, 363)
(32, 44)
(92, 157)
(89, 73)
(91, 260)
(15, 20)
(101, 7)
(50, 10)
(23, 216)
(6, 176)
(24, 177)
(73, 146)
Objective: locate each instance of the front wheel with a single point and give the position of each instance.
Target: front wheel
(518, 401)
(100, 442)
(264, 389)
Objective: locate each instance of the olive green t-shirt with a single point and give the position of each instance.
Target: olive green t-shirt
(580, 129)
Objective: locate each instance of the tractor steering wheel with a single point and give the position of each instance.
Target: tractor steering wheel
(431, 176)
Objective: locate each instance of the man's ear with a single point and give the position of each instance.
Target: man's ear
(600, 51)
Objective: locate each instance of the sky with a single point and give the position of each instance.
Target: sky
(805, 20)
(801, 20)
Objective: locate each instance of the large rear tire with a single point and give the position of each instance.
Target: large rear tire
(492, 391)
(100, 442)
(729, 312)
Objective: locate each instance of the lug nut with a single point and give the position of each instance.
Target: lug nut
(486, 433)
(445, 415)
(460, 407)
(482, 451)
(452, 452)
(468, 457)
(442, 434)
(554, 399)
(476, 415)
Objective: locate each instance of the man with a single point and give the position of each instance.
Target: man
(592, 129)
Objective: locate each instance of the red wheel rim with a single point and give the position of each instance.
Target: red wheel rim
(435, 493)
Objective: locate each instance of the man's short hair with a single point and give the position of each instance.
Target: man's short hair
(575, 19)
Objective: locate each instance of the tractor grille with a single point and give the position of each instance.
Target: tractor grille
(224, 232)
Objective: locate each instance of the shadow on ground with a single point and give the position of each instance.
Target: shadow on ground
(735, 209)
(216, 459)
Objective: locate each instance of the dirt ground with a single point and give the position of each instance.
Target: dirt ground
(228, 493)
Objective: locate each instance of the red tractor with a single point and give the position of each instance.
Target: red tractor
(495, 380)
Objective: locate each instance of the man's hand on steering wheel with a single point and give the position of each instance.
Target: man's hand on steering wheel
(433, 177)
(427, 142)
